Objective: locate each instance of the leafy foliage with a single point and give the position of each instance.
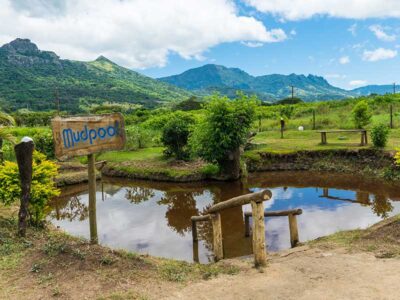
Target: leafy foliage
(42, 185)
(224, 127)
(380, 135)
(175, 135)
(361, 114)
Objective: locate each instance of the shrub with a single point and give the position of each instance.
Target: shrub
(218, 137)
(42, 189)
(138, 137)
(379, 135)
(44, 143)
(361, 114)
(175, 135)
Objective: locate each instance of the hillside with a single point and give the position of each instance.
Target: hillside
(29, 78)
(375, 89)
(209, 78)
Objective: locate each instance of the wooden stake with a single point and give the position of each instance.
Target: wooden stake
(194, 231)
(294, 233)
(391, 115)
(313, 116)
(196, 252)
(23, 153)
(260, 255)
(217, 236)
(92, 199)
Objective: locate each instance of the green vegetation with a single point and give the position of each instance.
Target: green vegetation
(42, 189)
(30, 78)
(379, 135)
(224, 129)
(361, 114)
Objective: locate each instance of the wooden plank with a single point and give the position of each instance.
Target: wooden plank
(294, 233)
(278, 213)
(92, 199)
(78, 136)
(241, 200)
(201, 218)
(217, 236)
(341, 130)
(260, 255)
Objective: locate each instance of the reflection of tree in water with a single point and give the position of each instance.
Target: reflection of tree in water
(72, 210)
(138, 194)
(181, 207)
(382, 206)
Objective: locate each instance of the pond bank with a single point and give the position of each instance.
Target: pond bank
(49, 263)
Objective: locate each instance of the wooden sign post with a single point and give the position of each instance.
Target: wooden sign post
(78, 136)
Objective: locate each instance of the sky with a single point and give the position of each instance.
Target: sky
(350, 42)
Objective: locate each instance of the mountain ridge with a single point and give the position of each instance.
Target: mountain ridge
(29, 78)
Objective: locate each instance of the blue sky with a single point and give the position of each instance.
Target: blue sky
(325, 46)
(348, 43)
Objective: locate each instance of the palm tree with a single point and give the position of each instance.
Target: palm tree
(5, 120)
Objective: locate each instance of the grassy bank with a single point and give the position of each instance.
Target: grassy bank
(49, 263)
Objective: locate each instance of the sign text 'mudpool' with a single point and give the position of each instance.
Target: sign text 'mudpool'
(76, 136)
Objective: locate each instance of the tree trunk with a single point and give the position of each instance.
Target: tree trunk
(23, 153)
(230, 167)
(1, 152)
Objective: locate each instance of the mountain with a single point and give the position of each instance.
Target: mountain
(214, 78)
(30, 78)
(375, 89)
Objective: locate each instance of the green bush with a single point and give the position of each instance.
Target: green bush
(138, 137)
(361, 114)
(44, 143)
(175, 135)
(42, 189)
(380, 135)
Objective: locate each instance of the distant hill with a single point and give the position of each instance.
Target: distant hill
(29, 78)
(214, 78)
(375, 89)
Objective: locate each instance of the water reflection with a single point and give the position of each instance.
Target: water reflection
(154, 218)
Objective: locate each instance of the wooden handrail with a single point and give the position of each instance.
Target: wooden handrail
(277, 213)
(241, 200)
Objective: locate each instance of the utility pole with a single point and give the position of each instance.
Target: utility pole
(394, 88)
(57, 100)
(292, 91)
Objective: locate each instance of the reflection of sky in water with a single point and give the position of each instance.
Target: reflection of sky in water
(144, 227)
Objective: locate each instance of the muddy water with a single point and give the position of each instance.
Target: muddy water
(154, 218)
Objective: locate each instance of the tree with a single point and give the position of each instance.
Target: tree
(175, 135)
(5, 120)
(379, 135)
(361, 114)
(222, 132)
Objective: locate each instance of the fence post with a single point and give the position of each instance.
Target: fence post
(217, 236)
(391, 115)
(247, 225)
(294, 233)
(194, 231)
(313, 115)
(24, 153)
(260, 255)
(92, 199)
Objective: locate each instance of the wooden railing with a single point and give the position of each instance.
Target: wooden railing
(213, 213)
(294, 232)
(258, 226)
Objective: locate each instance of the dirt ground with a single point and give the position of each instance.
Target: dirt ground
(48, 264)
(307, 273)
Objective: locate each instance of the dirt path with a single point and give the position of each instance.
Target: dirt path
(307, 273)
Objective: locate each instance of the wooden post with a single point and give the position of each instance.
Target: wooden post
(313, 116)
(247, 225)
(194, 231)
(391, 115)
(196, 252)
(259, 123)
(217, 236)
(92, 199)
(366, 137)
(23, 153)
(294, 233)
(260, 255)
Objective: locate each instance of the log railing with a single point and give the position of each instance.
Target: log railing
(294, 233)
(213, 213)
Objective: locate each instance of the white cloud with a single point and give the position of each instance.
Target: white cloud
(252, 44)
(293, 32)
(350, 9)
(353, 29)
(358, 82)
(344, 60)
(134, 33)
(381, 34)
(379, 54)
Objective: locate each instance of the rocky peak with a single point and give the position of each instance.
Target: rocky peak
(21, 46)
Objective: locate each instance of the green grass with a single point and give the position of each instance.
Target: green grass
(155, 153)
(294, 140)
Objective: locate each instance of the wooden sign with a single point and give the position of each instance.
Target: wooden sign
(77, 136)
